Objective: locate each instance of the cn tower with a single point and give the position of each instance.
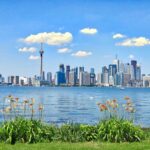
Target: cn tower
(41, 56)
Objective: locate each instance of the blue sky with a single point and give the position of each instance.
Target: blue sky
(86, 29)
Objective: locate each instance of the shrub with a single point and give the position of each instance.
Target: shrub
(23, 130)
(89, 133)
(119, 130)
(70, 133)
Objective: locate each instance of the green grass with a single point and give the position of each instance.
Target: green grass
(145, 145)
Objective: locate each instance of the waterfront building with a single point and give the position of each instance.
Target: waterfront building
(105, 76)
(23, 81)
(49, 77)
(10, 79)
(81, 69)
(30, 83)
(111, 81)
(16, 80)
(134, 66)
(2, 79)
(138, 73)
(112, 72)
(122, 68)
(132, 73)
(84, 79)
(127, 68)
(119, 79)
(99, 79)
(92, 77)
(146, 81)
(67, 74)
(126, 79)
(62, 68)
(72, 77)
(117, 63)
(59, 78)
(43, 76)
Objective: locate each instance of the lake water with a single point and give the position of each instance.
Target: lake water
(79, 104)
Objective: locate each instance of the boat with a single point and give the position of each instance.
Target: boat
(122, 88)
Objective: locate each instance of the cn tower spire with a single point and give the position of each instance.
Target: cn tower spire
(41, 56)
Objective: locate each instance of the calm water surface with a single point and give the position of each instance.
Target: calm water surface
(78, 104)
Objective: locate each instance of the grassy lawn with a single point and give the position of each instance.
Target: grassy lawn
(145, 145)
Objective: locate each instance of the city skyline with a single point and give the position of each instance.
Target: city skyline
(81, 33)
(115, 74)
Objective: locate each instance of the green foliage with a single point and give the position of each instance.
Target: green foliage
(22, 130)
(89, 133)
(118, 130)
(33, 131)
(70, 133)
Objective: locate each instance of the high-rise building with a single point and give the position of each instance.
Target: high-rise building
(146, 81)
(59, 78)
(92, 77)
(84, 79)
(138, 73)
(117, 63)
(119, 79)
(67, 74)
(126, 79)
(112, 73)
(81, 69)
(49, 77)
(134, 65)
(121, 67)
(62, 68)
(127, 68)
(43, 76)
(105, 76)
(2, 79)
(72, 77)
(11, 80)
(16, 80)
(99, 82)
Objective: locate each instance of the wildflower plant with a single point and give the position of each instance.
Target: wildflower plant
(112, 109)
(14, 107)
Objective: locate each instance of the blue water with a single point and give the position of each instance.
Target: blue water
(79, 104)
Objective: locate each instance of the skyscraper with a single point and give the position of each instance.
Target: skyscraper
(134, 65)
(92, 77)
(117, 63)
(84, 79)
(112, 69)
(72, 77)
(60, 75)
(62, 68)
(67, 74)
(105, 76)
(49, 77)
(138, 72)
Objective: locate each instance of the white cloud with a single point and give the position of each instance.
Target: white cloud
(27, 49)
(118, 36)
(33, 57)
(140, 41)
(81, 54)
(89, 31)
(131, 56)
(50, 38)
(63, 50)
